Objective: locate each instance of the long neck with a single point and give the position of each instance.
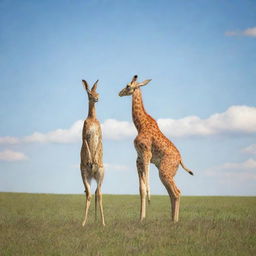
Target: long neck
(139, 114)
(92, 110)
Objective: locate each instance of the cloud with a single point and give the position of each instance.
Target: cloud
(236, 171)
(11, 156)
(248, 164)
(250, 149)
(115, 130)
(108, 167)
(235, 120)
(9, 140)
(250, 32)
(115, 167)
(70, 135)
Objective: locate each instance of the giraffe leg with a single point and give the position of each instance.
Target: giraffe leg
(142, 196)
(96, 204)
(142, 168)
(173, 191)
(88, 200)
(174, 195)
(176, 209)
(99, 194)
(143, 148)
(147, 184)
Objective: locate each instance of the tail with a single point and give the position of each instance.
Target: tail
(186, 169)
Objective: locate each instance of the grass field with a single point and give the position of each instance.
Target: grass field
(42, 224)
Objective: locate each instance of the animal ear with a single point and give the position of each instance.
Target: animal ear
(145, 82)
(86, 87)
(94, 87)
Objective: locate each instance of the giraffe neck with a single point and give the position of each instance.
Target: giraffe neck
(92, 110)
(139, 114)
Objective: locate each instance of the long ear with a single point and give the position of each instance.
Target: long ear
(95, 86)
(86, 87)
(144, 82)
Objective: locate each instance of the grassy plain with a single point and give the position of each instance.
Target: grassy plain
(44, 224)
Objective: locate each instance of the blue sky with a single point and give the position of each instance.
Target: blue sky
(200, 55)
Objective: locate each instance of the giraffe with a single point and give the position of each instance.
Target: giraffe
(153, 147)
(91, 153)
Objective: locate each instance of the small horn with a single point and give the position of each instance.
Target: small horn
(94, 87)
(134, 78)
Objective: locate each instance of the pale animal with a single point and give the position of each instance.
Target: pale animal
(92, 153)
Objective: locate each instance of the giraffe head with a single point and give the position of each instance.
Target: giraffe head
(93, 96)
(132, 86)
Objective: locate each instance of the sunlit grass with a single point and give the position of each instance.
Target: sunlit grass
(41, 224)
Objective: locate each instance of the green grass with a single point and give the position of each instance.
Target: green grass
(42, 224)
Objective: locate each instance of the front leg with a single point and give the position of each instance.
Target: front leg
(97, 153)
(143, 173)
(86, 182)
(85, 151)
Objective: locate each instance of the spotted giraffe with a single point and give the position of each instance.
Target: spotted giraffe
(153, 147)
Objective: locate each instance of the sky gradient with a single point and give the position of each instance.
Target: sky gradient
(200, 55)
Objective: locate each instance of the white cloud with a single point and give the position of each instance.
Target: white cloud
(248, 164)
(10, 156)
(108, 167)
(250, 149)
(9, 140)
(235, 171)
(235, 120)
(70, 135)
(250, 32)
(115, 167)
(116, 130)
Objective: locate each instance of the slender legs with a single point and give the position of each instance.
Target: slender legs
(142, 181)
(101, 208)
(147, 184)
(143, 172)
(88, 200)
(96, 204)
(98, 200)
(98, 196)
(174, 194)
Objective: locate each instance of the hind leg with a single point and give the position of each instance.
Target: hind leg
(88, 200)
(175, 201)
(174, 194)
(166, 173)
(98, 195)
(96, 204)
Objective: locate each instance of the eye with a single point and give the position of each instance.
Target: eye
(128, 87)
